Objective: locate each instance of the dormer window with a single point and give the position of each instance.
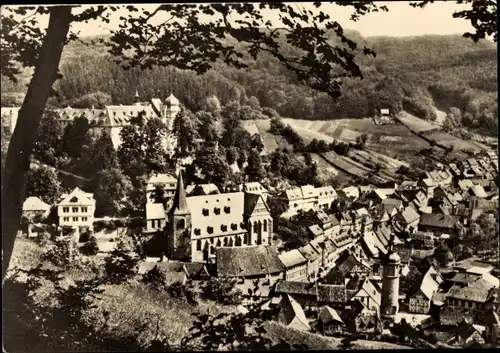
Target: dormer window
(206, 212)
(227, 209)
(223, 228)
(210, 230)
(197, 231)
(217, 210)
(234, 226)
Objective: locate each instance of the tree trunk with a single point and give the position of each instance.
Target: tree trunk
(23, 138)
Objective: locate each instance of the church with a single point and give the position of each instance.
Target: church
(198, 225)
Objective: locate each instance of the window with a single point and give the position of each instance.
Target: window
(211, 240)
(265, 225)
(74, 209)
(206, 212)
(234, 226)
(181, 224)
(227, 209)
(66, 219)
(84, 219)
(210, 230)
(84, 209)
(212, 250)
(75, 219)
(230, 242)
(217, 210)
(223, 228)
(197, 231)
(65, 209)
(255, 229)
(198, 242)
(238, 241)
(225, 241)
(218, 243)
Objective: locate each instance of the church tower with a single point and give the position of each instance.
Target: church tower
(390, 284)
(171, 107)
(179, 228)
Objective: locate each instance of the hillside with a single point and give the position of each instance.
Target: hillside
(417, 74)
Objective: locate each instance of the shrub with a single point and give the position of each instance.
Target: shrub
(61, 253)
(43, 238)
(110, 225)
(90, 247)
(99, 225)
(119, 223)
(155, 278)
(223, 291)
(123, 262)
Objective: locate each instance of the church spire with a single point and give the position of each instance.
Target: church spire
(180, 203)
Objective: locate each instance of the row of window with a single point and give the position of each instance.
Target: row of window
(156, 223)
(75, 209)
(206, 211)
(227, 241)
(234, 227)
(75, 219)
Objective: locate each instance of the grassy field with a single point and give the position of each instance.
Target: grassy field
(447, 139)
(417, 124)
(271, 142)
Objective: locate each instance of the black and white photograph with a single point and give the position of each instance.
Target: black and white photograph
(206, 176)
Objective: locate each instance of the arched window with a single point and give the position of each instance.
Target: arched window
(198, 245)
(259, 238)
(245, 238)
(225, 241)
(218, 243)
(265, 225)
(237, 241)
(230, 242)
(255, 229)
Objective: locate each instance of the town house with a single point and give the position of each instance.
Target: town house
(439, 224)
(295, 265)
(35, 209)
(76, 209)
(420, 301)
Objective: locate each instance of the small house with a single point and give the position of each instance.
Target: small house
(292, 315)
(330, 322)
(420, 301)
(295, 265)
(76, 209)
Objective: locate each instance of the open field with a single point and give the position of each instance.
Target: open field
(271, 142)
(417, 124)
(446, 139)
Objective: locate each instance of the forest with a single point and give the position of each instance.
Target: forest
(416, 74)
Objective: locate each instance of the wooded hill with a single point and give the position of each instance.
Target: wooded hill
(416, 74)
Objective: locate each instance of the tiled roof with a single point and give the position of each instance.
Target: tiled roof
(294, 194)
(33, 203)
(331, 293)
(439, 220)
(325, 191)
(316, 230)
(392, 202)
(247, 261)
(478, 191)
(409, 215)
(297, 288)
(292, 258)
(155, 211)
(194, 268)
(351, 191)
(334, 220)
(308, 191)
(478, 291)
(371, 242)
(162, 178)
(309, 253)
(429, 285)
(451, 316)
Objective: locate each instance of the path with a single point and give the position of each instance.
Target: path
(38, 163)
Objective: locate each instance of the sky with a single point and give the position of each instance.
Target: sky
(401, 20)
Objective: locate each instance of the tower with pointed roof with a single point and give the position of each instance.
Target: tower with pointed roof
(171, 107)
(391, 263)
(179, 228)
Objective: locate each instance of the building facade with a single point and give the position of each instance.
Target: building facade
(76, 209)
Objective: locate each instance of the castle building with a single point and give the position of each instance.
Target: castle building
(198, 225)
(113, 117)
(390, 284)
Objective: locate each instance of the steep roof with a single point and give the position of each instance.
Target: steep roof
(439, 220)
(77, 197)
(429, 285)
(290, 310)
(292, 258)
(409, 215)
(33, 203)
(247, 261)
(332, 293)
(328, 315)
(180, 205)
(316, 230)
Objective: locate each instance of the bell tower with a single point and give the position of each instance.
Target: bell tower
(179, 228)
(390, 283)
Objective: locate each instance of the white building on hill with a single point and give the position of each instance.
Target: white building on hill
(76, 209)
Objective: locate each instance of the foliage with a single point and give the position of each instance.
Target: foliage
(90, 247)
(222, 290)
(42, 182)
(62, 253)
(75, 137)
(111, 189)
(155, 278)
(48, 143)
(276, 207)
(98, 156)
(183, 292)
(294, 231)
(212, 165)
(185, 130)
(122, 263)
(254, 170)
(443, 255)
(141, 151)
